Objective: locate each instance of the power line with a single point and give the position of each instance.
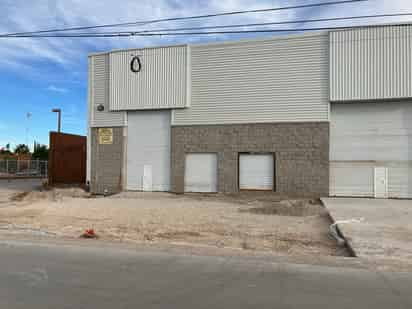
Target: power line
(129, 33)
(253, 24)
(277, 23)
(189, 33)
(185, 18)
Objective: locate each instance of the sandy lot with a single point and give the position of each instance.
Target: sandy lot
(8, 187)
(246, 221)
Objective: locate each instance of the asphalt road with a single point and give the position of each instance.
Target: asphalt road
(49, 276)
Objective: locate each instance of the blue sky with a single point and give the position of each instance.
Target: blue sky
(40, 74)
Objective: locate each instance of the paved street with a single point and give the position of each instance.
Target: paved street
(39, 276)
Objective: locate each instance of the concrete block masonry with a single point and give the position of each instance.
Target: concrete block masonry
(107, 162)
(301, 155)
(301, 150)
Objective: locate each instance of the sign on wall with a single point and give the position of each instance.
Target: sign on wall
(105, 136)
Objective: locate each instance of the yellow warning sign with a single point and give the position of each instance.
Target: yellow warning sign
(105, 136)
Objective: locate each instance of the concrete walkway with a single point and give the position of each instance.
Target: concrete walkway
(385, 231)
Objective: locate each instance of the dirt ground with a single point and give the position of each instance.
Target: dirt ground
(8, 187)
(246, 221)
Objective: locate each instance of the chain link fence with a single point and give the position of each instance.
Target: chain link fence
(23, 168)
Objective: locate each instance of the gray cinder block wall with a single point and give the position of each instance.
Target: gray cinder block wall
(301, 150)
(106, 163)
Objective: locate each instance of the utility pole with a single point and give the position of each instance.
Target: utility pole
(59, 119)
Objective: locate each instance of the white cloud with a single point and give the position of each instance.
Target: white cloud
(57, 89)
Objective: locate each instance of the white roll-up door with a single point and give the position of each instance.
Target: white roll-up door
(148, 151)
(400, 180)
(352, 179)
(256, 171)
(365, 136)
(201, 172)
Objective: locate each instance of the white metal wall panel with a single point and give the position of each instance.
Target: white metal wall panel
(364, 136)
(161, 83)
(373, 131)
(351, 179)
(201, 172)
(400, 181)
(270, 80)
(148, 151)
(371, 63)
(256, 172)
(99, 94)
(89, 117)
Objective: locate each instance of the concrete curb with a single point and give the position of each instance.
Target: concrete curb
(347, 242)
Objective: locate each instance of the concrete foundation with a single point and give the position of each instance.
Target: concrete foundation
(301, 151)
(375, 229)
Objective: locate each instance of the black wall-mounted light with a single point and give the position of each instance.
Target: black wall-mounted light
(100, 107)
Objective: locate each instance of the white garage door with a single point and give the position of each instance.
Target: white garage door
(256, 171)
(201, 172)
(352, 179)
(365, 136)
(148, 151)
(400, 180)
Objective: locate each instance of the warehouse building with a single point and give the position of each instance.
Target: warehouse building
(314, 114)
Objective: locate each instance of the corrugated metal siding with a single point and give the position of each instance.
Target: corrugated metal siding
(278, 79)
(161, 83)
(357, 179)
(99, 94)
(364, 136)
(400, 181)
(352, 179)
(371, 63)
(373, 131)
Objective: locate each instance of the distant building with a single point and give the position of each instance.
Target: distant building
(317, 114)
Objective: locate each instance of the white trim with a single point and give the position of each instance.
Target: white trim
(88, 155)
(188, 76)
